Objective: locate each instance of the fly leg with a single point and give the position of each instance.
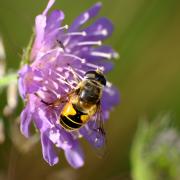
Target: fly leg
(58, 101)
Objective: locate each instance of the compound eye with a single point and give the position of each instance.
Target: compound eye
(90, 75)
(100, 78)
(103, 81)
(96, 76)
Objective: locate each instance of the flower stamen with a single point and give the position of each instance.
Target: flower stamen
(86, 43)
(65, 27)
(67, 40)
(94, 66)
(83, 33)
(75, 57)
(64, 80)
(101, 54)
(103, 32)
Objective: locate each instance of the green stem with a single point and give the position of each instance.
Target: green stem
(27, 51)
(8, 79)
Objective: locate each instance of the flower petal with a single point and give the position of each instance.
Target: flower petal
(53, 24)
(75, 156)
(29, 80)
(49, 154)
(93, 65)
(49, 5)
(42, 122)
(84, 17)
(21, 85)
(54, 20)
(98, 56)
(92, 135)
(61, 138)
(110, 98)
(40, 24)
(98, 53)
(99, 30)
(26, 119)
(104, 52)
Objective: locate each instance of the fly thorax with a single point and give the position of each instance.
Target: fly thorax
(90, 93)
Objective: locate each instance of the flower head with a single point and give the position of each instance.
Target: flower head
(49, 77)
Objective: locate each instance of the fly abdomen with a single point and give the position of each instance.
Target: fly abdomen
(69, 123)
(73, 117)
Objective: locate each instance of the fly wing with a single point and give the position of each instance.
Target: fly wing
(94, 133)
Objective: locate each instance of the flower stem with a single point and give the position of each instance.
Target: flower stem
(27, 51)
(8, 79)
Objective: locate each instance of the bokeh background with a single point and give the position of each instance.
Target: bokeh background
(147, 74)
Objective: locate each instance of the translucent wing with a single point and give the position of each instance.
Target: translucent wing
(99, 120)
(94, 133)
(99, 131)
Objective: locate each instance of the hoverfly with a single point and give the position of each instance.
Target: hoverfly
(82, 103)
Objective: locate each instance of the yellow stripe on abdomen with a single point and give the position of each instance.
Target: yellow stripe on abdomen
(68, 110)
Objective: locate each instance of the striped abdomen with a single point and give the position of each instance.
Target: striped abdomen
(71, 118)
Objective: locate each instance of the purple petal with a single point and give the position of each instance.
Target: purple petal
(110, 98)
(75, 156)
(84, 17)
(103, 52)
(47, 96)
(26, 119)
(53, 24)
(101, 63)
(49, 154)
(99, 30)
(40, 24)
(61, 138)
(41, 120)
(108, 52)
(92, 135)
(29, 80)
(98, 57)
(49, 5)
(39, 113)
(21, 86)
(107, 66)
(55, 73)
(54, 20)
(96, 32)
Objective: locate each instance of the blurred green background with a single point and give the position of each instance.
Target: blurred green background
(147, 37)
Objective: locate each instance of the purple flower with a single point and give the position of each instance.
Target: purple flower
(48, 74)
